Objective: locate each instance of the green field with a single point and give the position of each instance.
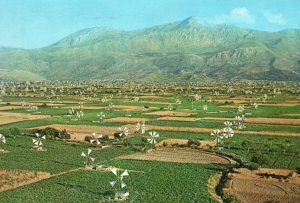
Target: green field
(149, 181)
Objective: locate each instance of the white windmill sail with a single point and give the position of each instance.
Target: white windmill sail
(2, 138)
(119, 177)
(89, 160)
(152, 139)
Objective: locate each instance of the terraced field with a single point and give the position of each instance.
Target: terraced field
(176, 167)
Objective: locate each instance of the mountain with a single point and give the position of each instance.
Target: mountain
(179, 51)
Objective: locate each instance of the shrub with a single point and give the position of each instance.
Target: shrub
(88, 138)
(14, 131)
(298, 169)
(193, 142)
(104, 137)
(53, 133)
(253, 166)
(260, 159)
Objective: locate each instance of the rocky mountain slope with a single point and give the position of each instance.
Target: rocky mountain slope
(179, 51)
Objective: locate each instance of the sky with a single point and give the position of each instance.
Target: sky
(37, 23)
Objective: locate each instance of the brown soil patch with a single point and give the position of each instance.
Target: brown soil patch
(133, 108)
(86, 107)
(2, 108)
(55, 102)
(79, 132)
(155, 102)
(265, 185)
(180, 155)
(209, 130)
(280, 104)
(173, 118)
(126, 120)
(155, 97)
(32, 103)
(10, 179)
(273, 121)
(170, 113)
(260, 104)
(293, 114)
(8, 117)
(123, 107)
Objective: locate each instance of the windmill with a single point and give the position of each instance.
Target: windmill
(153, 135)
(140, 127)
(79, 114)
(71, 111)
(240, 122)
(227, 132)
(241, 109)
(217, 135)
(2, 139)
(88, 159)
(119, 183)
(37, 142)
(101, 116)
(34, 108)
(110, 106)
(204, 107)
(197, 97)
(178, 102)
(228, 124)
(170, 107)
(123, 131)
(95, 138)
(255, 105)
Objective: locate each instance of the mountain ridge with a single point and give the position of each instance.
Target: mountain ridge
(182, 50)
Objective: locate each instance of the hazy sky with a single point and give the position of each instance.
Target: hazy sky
(38, 23)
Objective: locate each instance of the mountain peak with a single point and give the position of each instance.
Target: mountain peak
(190, 22)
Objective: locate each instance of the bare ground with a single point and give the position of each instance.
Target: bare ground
(273, 121)
(171, 113)
(33, 103)
(79, 132)
(179, 155)
(174, 118)
(266, 104)
(10, 179)
(126, 120)
(9, 107)
(133, 108)
(209, 130)
(264, 185)
(8, 117)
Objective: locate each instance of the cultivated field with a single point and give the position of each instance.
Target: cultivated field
(174, 139)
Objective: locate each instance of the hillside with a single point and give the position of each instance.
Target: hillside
(177, 51)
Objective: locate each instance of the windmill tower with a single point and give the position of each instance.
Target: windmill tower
(119, 184)
(37, 142)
